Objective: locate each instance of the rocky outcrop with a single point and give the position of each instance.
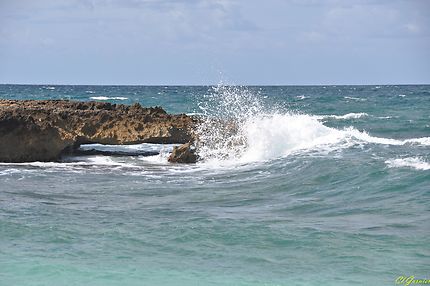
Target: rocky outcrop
(185, 153)
(43, 130)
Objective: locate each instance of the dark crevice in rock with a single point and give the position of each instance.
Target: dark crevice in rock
(80, 152)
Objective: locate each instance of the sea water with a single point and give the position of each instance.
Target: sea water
(319, 185)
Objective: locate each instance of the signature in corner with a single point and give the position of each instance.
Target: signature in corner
(408, 280)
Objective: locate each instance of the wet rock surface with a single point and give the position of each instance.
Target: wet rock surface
(43, 130)
(185, 153)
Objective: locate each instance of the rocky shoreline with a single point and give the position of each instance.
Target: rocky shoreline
(45, 130)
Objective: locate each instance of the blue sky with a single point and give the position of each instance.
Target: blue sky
(205, 42)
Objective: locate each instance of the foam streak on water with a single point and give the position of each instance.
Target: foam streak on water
(109, 98)
(413, 162)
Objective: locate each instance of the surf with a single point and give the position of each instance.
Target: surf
(237, 127)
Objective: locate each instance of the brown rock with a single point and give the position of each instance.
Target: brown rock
(21, 139)
(42, 130)
(183, 154)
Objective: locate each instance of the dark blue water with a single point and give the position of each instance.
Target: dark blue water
(324, 185)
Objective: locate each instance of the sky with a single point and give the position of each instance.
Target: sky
(200, 42)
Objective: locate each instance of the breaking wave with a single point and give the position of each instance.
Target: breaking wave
(411, 162)
(343, 117)
(237, 127)
(355, 98)
(108, 98)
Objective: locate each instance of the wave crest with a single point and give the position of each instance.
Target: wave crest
(108, 97)
(411, 162)
(237, 127)
(347, 116)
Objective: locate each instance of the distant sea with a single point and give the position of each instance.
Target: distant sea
(323, 185)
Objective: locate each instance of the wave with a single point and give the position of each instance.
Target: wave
(343, 117)
(301, 97)
(384, 117)
(279, 135)
(422, 141)
(81, 163)
(108, 98)
(355, 98)
(282, 134)
(78, 161)
(8, 172)
(147, 147)
(104, 161)
(238, 128)
(411, 162)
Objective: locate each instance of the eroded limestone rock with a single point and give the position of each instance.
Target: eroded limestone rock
(42, 130)
(185, 153)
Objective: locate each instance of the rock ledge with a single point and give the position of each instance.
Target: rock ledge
(43, 130)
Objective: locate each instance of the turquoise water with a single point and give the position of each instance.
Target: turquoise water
(330, 187)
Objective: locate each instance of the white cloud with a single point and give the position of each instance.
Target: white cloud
(413, 28)
(277, 36)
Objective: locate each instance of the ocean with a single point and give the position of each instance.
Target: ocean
(321, 185)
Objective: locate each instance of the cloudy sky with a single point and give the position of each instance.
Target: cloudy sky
(207, 41)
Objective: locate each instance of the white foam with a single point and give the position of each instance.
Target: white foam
(42, 164)
(126, 148)
(343, 117)
(421, 141)
(100, 160)
(410, 162)
(384, 117)
(108, 98)
(72, 162)
(291, 133)
(164, 151)
(364, 137)
(260, 134)
(10, 172)
(355, 98)
(301, 97)
(157, 159)
(282, 134)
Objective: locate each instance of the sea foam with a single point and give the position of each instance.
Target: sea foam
(411, 162)
(238, 128)
(347, 116)
(108, 98)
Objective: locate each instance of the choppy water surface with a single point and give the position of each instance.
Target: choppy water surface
(319, 186)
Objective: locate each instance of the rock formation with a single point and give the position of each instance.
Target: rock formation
(185, 153)
(43, 130)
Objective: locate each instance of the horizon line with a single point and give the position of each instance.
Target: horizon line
(219, 84)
